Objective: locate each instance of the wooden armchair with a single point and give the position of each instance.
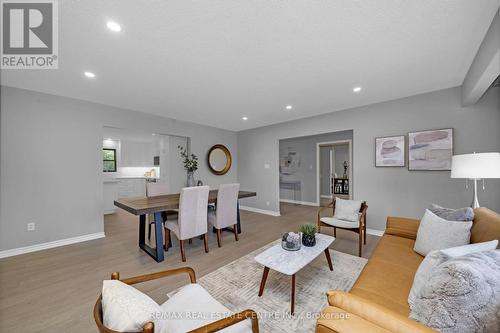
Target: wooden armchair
(358, 227)
(149, 327)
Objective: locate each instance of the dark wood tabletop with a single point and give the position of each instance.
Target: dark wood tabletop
(161, 203)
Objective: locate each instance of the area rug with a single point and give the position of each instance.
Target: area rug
(236, 285)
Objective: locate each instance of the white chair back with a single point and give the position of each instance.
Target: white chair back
(227, 199)
(155, 189)
(193, 204)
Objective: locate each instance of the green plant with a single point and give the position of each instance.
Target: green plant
(190, 161)
(308, 229)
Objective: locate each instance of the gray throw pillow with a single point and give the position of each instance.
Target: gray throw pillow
(436, 233)
(450, 214)
(462, 295)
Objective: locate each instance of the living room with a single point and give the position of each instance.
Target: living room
(411, 87)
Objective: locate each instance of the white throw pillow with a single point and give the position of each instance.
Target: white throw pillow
(437, 257)
(126, 309)
(435, 233)
(347, 210)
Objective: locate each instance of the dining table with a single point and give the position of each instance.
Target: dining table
(142, 206)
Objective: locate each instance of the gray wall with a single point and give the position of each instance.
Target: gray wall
(50, 170)
(388, 191)
(306, 173)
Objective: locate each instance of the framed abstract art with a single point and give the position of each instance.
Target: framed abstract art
(430, 150)
(390, 151)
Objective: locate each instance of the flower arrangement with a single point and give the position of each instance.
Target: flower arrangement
(190, 161)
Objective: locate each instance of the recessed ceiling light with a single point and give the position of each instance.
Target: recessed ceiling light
(89, 75)
(356, 89)
(244, 118)
(113, 26)
(289, 107)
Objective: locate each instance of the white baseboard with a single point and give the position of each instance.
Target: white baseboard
(375, 232)
(261, 211)
(324, 196)
(306, 203)
(49, 245)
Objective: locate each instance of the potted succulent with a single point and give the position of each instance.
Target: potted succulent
(190, 162)
(308, 234)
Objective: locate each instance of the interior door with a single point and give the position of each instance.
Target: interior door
(332, 168)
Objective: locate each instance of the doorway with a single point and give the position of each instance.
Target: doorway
(334, 170)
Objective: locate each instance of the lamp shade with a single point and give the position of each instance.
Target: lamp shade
(476, 166)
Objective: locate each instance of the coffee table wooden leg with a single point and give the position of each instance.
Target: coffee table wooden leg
(292, 308)
(329, 259)
(263, 281)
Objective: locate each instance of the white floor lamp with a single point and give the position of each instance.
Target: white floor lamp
(476, 167)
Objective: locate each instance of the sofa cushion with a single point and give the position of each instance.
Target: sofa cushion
(435, 233)
(334, 319)
(388, 276)
(192, 307)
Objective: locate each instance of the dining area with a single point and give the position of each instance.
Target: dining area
(182, 213)
(190, 214)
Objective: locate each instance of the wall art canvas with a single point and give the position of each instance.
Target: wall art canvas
(390, 151)
(430, 150)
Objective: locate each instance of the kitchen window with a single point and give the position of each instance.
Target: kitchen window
(109, 159)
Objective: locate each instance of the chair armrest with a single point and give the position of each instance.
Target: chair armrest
(157, 275)
(330, 206)
(375, 313)
(229, 321)
(402, 227)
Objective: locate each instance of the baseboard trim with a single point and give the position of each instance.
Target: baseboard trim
(261, 211)
(50, 245)
(375, 232)
(296, 202)
(324, 196)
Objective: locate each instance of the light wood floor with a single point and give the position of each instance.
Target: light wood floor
(55, 290)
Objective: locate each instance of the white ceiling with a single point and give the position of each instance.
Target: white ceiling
(213, 62)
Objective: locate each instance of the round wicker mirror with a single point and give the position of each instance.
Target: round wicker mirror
(219, 159)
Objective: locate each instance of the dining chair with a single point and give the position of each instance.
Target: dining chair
(225, 214)
(358, 226)
(192, 218)
(153, 190)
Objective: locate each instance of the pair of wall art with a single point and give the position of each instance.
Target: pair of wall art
(427, 150)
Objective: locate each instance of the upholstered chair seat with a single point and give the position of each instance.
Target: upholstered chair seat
(226, 213)
(334, 222)
(153, 190)
(192, 217)
(347, 215)
(182, 304)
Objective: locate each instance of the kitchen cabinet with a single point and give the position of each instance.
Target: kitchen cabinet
(131, 187)
(110, 193)
(136, 154)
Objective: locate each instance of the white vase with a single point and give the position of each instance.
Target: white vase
(190, 179)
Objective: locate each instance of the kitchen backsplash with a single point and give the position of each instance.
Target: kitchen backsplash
(136, 171)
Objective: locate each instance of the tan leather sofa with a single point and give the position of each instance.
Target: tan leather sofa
(378, 301)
